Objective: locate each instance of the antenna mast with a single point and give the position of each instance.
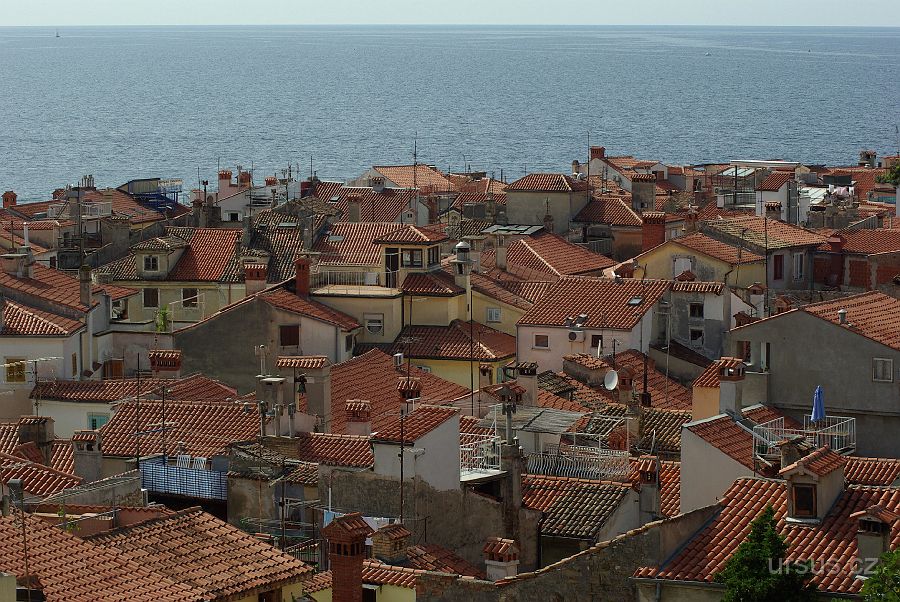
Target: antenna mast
(415, 170)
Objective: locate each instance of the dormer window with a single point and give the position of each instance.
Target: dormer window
(434, 255)
(804, 501)
(411, 258)
(151, 263)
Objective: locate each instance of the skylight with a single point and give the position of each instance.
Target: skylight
(635, 301)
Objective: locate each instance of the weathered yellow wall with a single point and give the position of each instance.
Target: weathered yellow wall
(214, 296)
(509, 314)
(659, 262)
(705, 402)
(357, 307)
(385, 593)
(433, 311)
(458, 370)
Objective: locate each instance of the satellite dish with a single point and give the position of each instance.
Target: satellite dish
(611, 380)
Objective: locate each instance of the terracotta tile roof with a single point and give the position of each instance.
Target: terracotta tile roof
(774, 181)
(378, 573)
(716, 249)
(277, 233)
(454, 343)
(123, 204)
(353, 243)
(496, 289)
(764, 233)
(432, 557)
(206, 428)
(195, 387)
(626, 162)
(576, 508)
(352, 524)
(819, 462)
(706, 553)
(611, 210)
(639, 177)
(215, 558)
(62, 455)
(39, 480)
(872, 471)
(548, 253)
(302, 362)
(65, 568)
(439, 284)
(417, 424)
(20, 320)
(470, 432)
(604, 300)
(482, 185)
(476, 198)
(867, 242)
(711, 211)
(334, 450)
(30, 451)
(385, 206)
(760, 414)
(374, 377)
(409, 234)
(864, 178)
(547, 182)
(532, 290)
(709, 378)
(666, 393)
(288, 301)
(669, 476)
(9, 437)
(58, 288)
(428, 179)
(873, 315)
(317, 583)
(210, 255)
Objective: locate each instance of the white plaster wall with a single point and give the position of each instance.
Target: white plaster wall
(706, 472)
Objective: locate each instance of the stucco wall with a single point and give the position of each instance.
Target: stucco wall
(706, 472)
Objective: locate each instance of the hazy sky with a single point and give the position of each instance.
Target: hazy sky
(591, 12)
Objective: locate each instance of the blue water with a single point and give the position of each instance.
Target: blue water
(120, 103)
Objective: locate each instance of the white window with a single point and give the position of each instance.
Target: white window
(883, 370)
(541, 341)
(151, 263)
(493, 314)
(799, 260)
(374, 323)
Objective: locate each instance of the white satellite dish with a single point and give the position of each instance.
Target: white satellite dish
(611, 380)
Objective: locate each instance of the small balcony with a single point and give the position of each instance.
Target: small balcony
(189, 478)
(479, 457)
(340, 282)
(837, 432)
(580, 461)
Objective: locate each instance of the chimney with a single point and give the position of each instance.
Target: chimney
(38, 430)
(88, 455)
(377, 184)
(244, 180)
(792, 449)
(84, 281)
(165, 363)
(548, 221)
(528, 379)
(359, 420)
(632, 408)
(643, 192)
(306, 222)
(9, 199)
(576, 167)
(500, 252)
(842, 316)
(690, 220)
(598, 152)
(271, 181)
(317, 386)
(224, 178)
(346, 536)
(198, 214)
(255, 275)
(648, 496)
(301, 279)
(731, 386)
(873, 532)
(389, 543)
(653, 230)
(485, 374)
(501, 558)
(353, 202)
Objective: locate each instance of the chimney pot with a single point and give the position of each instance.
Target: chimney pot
(9, 199)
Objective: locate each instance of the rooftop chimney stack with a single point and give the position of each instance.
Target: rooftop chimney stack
(87, 455)
(346, 536)
(353, 202)
(501, 558)
(9, 199)
(598, 152)
(377, 184)
(731, 386)
(84, 281)
(359, 418)
(528, 379)
(301, 280)
(873, 533)
(653, 230)
(485, 375)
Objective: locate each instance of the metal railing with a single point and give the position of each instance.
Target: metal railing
(603, 246)
(837, 432)
(480, 455)
(160, 477)
(579, 461)
(326, 278)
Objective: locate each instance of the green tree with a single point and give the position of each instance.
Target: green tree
(892, 176)
(757, 572)
(883, 585)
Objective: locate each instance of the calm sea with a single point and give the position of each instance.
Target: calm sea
(121, 103)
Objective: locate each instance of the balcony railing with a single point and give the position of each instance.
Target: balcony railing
(338, 278)
(837, 432)
(580, 461)
(184, 479)
(480, 455)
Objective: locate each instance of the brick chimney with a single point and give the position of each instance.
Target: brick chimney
(731, 386)
(301, 280)
(653, 231)
(244, 179)
(255, 276)
(9, 199)
(353, 203)
(165, 363)
(501, 558)
(528, 379)
(548, 221)
(346, 536)
(598, 152)
(359, 418)
(88, 455)
(84, 282)
(389, 543)
(690, 220)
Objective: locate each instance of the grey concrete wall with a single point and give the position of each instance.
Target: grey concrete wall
(602, 572)
(459, 520)
(807, 351)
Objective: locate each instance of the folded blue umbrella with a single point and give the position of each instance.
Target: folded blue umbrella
(818, 409)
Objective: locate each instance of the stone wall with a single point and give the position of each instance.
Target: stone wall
(460, 520)
(602, 572)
